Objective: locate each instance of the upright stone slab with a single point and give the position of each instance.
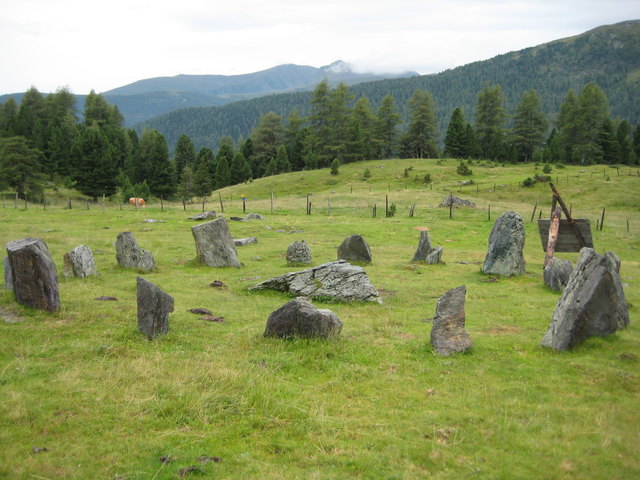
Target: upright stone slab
(354, 249)
(435, 255)
(447, 332)
(557, 273)
(130, 255)
(79, 262)
(592, 303)
(214, 244)
(34, 275)
(8, 279)
(298, 252)
(154, 307)
(506, 243)
(299, 318)
(424, 247)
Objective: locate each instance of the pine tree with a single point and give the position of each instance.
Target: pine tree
(387, 127)
(265, 141)
(623, 133)
(156, 166)
(591, 112)
(240, 169)
(222, 177)
(202, 180)
(282, 160)
(20, 166)
(529, 126)
(272, 168)
(608, 143)
(420, 140)
(455, 141)
(186, 187)
(93, 166)
(184, 154)
(490, 121)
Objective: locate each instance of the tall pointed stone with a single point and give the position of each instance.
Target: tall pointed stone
(354, 249)
(214, 244)
(424, 247)
(506, 245)
(447, 333)
(154, 307)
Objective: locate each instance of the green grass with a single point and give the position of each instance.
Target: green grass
(375, 403)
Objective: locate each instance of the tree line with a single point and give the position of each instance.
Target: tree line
(43, 140)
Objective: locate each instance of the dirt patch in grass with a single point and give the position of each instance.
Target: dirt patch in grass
(502, 330)
(9, 316)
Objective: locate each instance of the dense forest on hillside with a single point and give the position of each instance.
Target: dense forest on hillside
(608, 56)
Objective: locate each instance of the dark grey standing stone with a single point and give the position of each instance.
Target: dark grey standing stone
(338, 280)
(154, 307)
(354, 249)
(299, 318)
(435, 255)
(592, 303)
(130, 255)
(299, 252)
(424, 247)
(214, 244)
(556, 274)
(79, 262)
(8, 279)
(506, 243)
(34, 275)
(447, 332)
(240, 242)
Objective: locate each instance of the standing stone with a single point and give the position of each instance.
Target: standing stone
(79, 262)
(424, 247)
(556, 274)
(299, 318)
(299, 252)
(8, 279)
(130, 255)
(154, 307)
(354, 249)
(34, 275)
(447, 333)
(214, 244)
(592, 303)
(435, 255)
(506, 243)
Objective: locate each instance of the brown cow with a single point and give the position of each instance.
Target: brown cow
(139, 201)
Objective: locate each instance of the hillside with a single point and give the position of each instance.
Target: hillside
(608, 55)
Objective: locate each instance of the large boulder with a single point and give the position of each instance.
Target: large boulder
(214, 244)
(130, 255)
(298, 252)
(592, 303)
(154, 307)
(556, 274)
(506, 243)
(79, 262)
(447, 332)
(299, 318)
(33, 274)
(338, 280)
(354, 249)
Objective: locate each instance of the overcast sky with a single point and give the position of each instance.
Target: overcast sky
(86, 44)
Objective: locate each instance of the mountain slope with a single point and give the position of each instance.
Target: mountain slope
(608, 55)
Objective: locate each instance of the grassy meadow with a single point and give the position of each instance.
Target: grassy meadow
(217, 400)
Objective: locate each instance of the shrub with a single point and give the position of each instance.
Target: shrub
(463, 169)
(542, 178)
(427, 178)
(392, 210)
(335, 166)
(366, 174)
(528, 182)
(547, 168)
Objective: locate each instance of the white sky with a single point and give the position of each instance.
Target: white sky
(86, 44)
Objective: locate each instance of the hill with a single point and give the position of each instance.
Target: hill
(608, 55)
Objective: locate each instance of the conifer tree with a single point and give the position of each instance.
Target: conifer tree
(282, 160)
(420, 139)
(455, 141)
(222, 177)
(529, 126)
(184, 154)
(387, 127)
(490, 121)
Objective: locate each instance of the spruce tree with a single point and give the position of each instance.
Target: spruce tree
(282, 160)
(93, 166)
(156, 166)
(455, 141)
(529, 126)
(387, 127)
(222, 177)
(184, 154)
(624, 143)
(491, 117)
(202, 180)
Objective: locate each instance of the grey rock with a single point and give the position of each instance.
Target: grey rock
(435, 255)
(204, 215)
(299, 318)
(354, 249)
(424, 247)
(8, 279)
(556, 274)
(447, 332)
(154, 307)
(240, 242)
(338, 280)
(592, 303)
(79, 262)
(299, 252)
(34, 274)
(130, 255)
(456, 202)
(152, 220)
(253, 216)
(214, 244)
(506, 244)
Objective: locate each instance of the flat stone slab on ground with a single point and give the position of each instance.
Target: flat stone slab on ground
(204, 216)
(240, 242)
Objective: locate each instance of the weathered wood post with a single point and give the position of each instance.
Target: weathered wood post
(554, 227)
(221, 204)
(602, 220)
(533, 214)
(161, 203)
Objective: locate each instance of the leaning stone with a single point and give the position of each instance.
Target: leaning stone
(424, 247)
(556, 274)
(506, 243)
(79, 262)
(253, 216)
(447, 333)
(299, 252)
(435, 255)
(338, 280)
(354, 249)
(8, 280)
(130, 255)
(214, 244)
(592, 303)
(239, 242)
(456, 202)
(34, 275)
(154, 307)
(299, 318)
(204, 215)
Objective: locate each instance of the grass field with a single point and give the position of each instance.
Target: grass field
(377, 402)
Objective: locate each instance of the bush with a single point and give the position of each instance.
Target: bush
(427, 178)
(463, 169)
(392, 210)
(366, 174)
(542, 178)
(335, 166)
(528, 182)
(547, 168)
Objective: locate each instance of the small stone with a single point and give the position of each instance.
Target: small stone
(200, 311)
(456, 202)
(217, 284)
(354, 249)
(212, 318)
(299, 318)
(424, 247)
(105, 298)
(298, 252)
(240, 242)
(253, 216)
(204, 216)
(435, 255)
(557, 273)
(79, 262)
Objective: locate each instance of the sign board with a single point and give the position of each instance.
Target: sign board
(567, 239)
